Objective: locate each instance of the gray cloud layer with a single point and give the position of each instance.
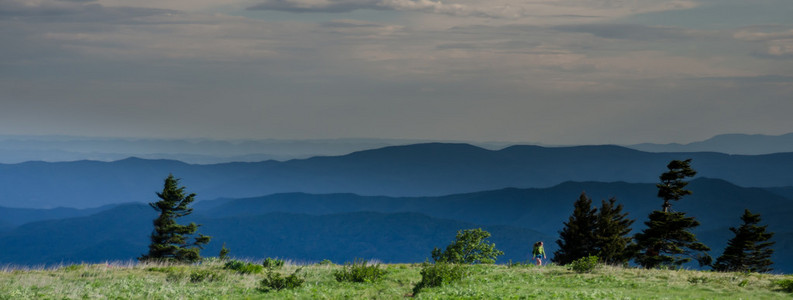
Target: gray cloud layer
(501, 70)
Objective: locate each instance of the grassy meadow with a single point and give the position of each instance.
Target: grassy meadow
(210, 280)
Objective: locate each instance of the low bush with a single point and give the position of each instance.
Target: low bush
(584, 264)
(272, 263)
(785, 285)
(359, 271)
(438, 274)
(274, 281)
(243, 267)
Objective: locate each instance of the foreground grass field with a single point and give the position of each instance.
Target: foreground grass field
(210, 280)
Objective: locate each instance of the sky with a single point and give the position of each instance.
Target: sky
(541, 71)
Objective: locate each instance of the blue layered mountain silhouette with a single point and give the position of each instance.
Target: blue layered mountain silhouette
(432, 169)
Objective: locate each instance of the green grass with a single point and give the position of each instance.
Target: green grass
(211, 281)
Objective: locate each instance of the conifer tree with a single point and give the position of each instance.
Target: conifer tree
(672, 184)
(611, 233)
(749, 250)
(169, 240)
(667, 240)
(576, 240)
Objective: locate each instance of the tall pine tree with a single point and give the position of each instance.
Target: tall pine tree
(749, 250)
(169, 240)
(667, 240)
(576, 239)
(611, 233)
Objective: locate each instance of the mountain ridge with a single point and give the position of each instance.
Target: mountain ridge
(432, 169)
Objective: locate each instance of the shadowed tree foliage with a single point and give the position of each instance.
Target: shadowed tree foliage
(672, 184)
(469, 247)
(667, 240)
(577, 240)
(169, 240)
(611, 233)
(591, 232)
(749, 250)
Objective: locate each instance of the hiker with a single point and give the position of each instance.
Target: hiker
(538, 252)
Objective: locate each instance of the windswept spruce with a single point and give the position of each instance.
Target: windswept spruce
(170, 241)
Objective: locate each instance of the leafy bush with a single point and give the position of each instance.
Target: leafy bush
(274, 281)
(438, 274)
(243, 267)
(272, 263)
(785, 284)
(584, 264)
(359, 271)
(469, 247)
(325, 262)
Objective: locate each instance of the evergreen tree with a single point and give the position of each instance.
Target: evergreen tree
(611, 233)
(576, 240)
(749, 250)
(169, 240)
(672, 184)
(667, 240)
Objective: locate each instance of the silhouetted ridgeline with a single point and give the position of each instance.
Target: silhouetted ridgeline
(414, 170)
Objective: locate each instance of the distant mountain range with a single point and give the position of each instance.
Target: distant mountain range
(341, 227)
(22, 148)
(412, 170)
(748, 144)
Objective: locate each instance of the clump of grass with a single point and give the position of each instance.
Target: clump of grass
(526, 264)
(438, 274)
(205, 275)
(243, 267)
(584, 264)
(72, 268)
(697, 279)
(274, 281)
(359, 271)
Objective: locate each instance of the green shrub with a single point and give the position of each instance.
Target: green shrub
(469, 247)
(243, 267)
(274, 281)
(438, 274)
(785, 284)
(584, 264)
(272, 263)
(205, 275)
(325, 262)
(359, 271)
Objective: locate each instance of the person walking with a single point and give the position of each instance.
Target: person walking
(538, 253)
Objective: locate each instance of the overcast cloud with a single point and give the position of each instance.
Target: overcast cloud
(548, 71)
